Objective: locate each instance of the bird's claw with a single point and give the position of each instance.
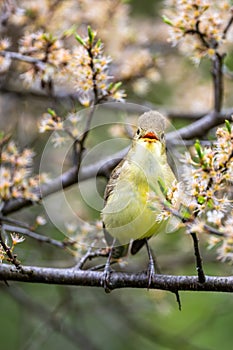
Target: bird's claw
(106, 279)
(150, 273)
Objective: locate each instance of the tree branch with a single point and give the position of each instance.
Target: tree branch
(197, 129)
(196, 31)
(38, 237)
(200, 127)
(199, 268)
(217, 73)
(19, 57)
(11, 256)
(70, 276)
(81, 142)
(228, 26)
(67, 179)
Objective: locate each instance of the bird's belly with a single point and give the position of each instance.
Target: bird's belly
(127, 216)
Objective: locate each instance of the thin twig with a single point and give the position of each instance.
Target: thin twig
(37, 236)
(83, 259)
(230, 22)
(94, 75)
(81, 142)
(11, 257)
(178, 300)
(102, 266)
(89, 256)
(198, 32)
(213, 231)
(208, 229)
(200, 271)
(67, 179)
(217, 72)
(14, 221)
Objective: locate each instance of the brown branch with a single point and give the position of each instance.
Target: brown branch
(197, 129)
(199, 268)
(11, 257)
(89, 256)
(70, 276)
(19, 57)
(207, 229)
(229, 24)
(198, 32)
(37, 236)
(80, 143)
(67, 179)
(60, 94)
(217, 73)
(200, 127)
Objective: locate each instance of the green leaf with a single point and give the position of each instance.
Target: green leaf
(70, 31)
(117, 85)
(91, 34)
(162, 186)
(110, 86)
(51, 112)
(186, 214)
(198, 149)
(49, 38)
(114, 87)
(167, 20)
(228, 126)
(210, 203)
(80, 40)
(201, 200)
(99, 42)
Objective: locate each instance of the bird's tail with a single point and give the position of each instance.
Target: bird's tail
(137, 245)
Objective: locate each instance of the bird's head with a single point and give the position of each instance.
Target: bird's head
(151, 127)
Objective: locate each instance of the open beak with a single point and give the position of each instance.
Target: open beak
(151, 136)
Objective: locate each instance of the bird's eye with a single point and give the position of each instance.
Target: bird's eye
(162, 135)
(138, 131)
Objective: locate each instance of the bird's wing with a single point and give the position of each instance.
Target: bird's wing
(118, 250)
(113, 180)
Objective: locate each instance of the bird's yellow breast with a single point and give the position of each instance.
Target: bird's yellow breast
(127, 214)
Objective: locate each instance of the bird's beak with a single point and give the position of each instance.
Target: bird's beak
(151, 136)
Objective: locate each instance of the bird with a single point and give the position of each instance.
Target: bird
(128, 219)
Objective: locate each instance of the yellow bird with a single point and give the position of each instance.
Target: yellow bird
(127, 214)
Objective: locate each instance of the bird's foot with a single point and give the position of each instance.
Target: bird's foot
(150, 273)
(152, 266)
(107, 273)
(106, 278)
